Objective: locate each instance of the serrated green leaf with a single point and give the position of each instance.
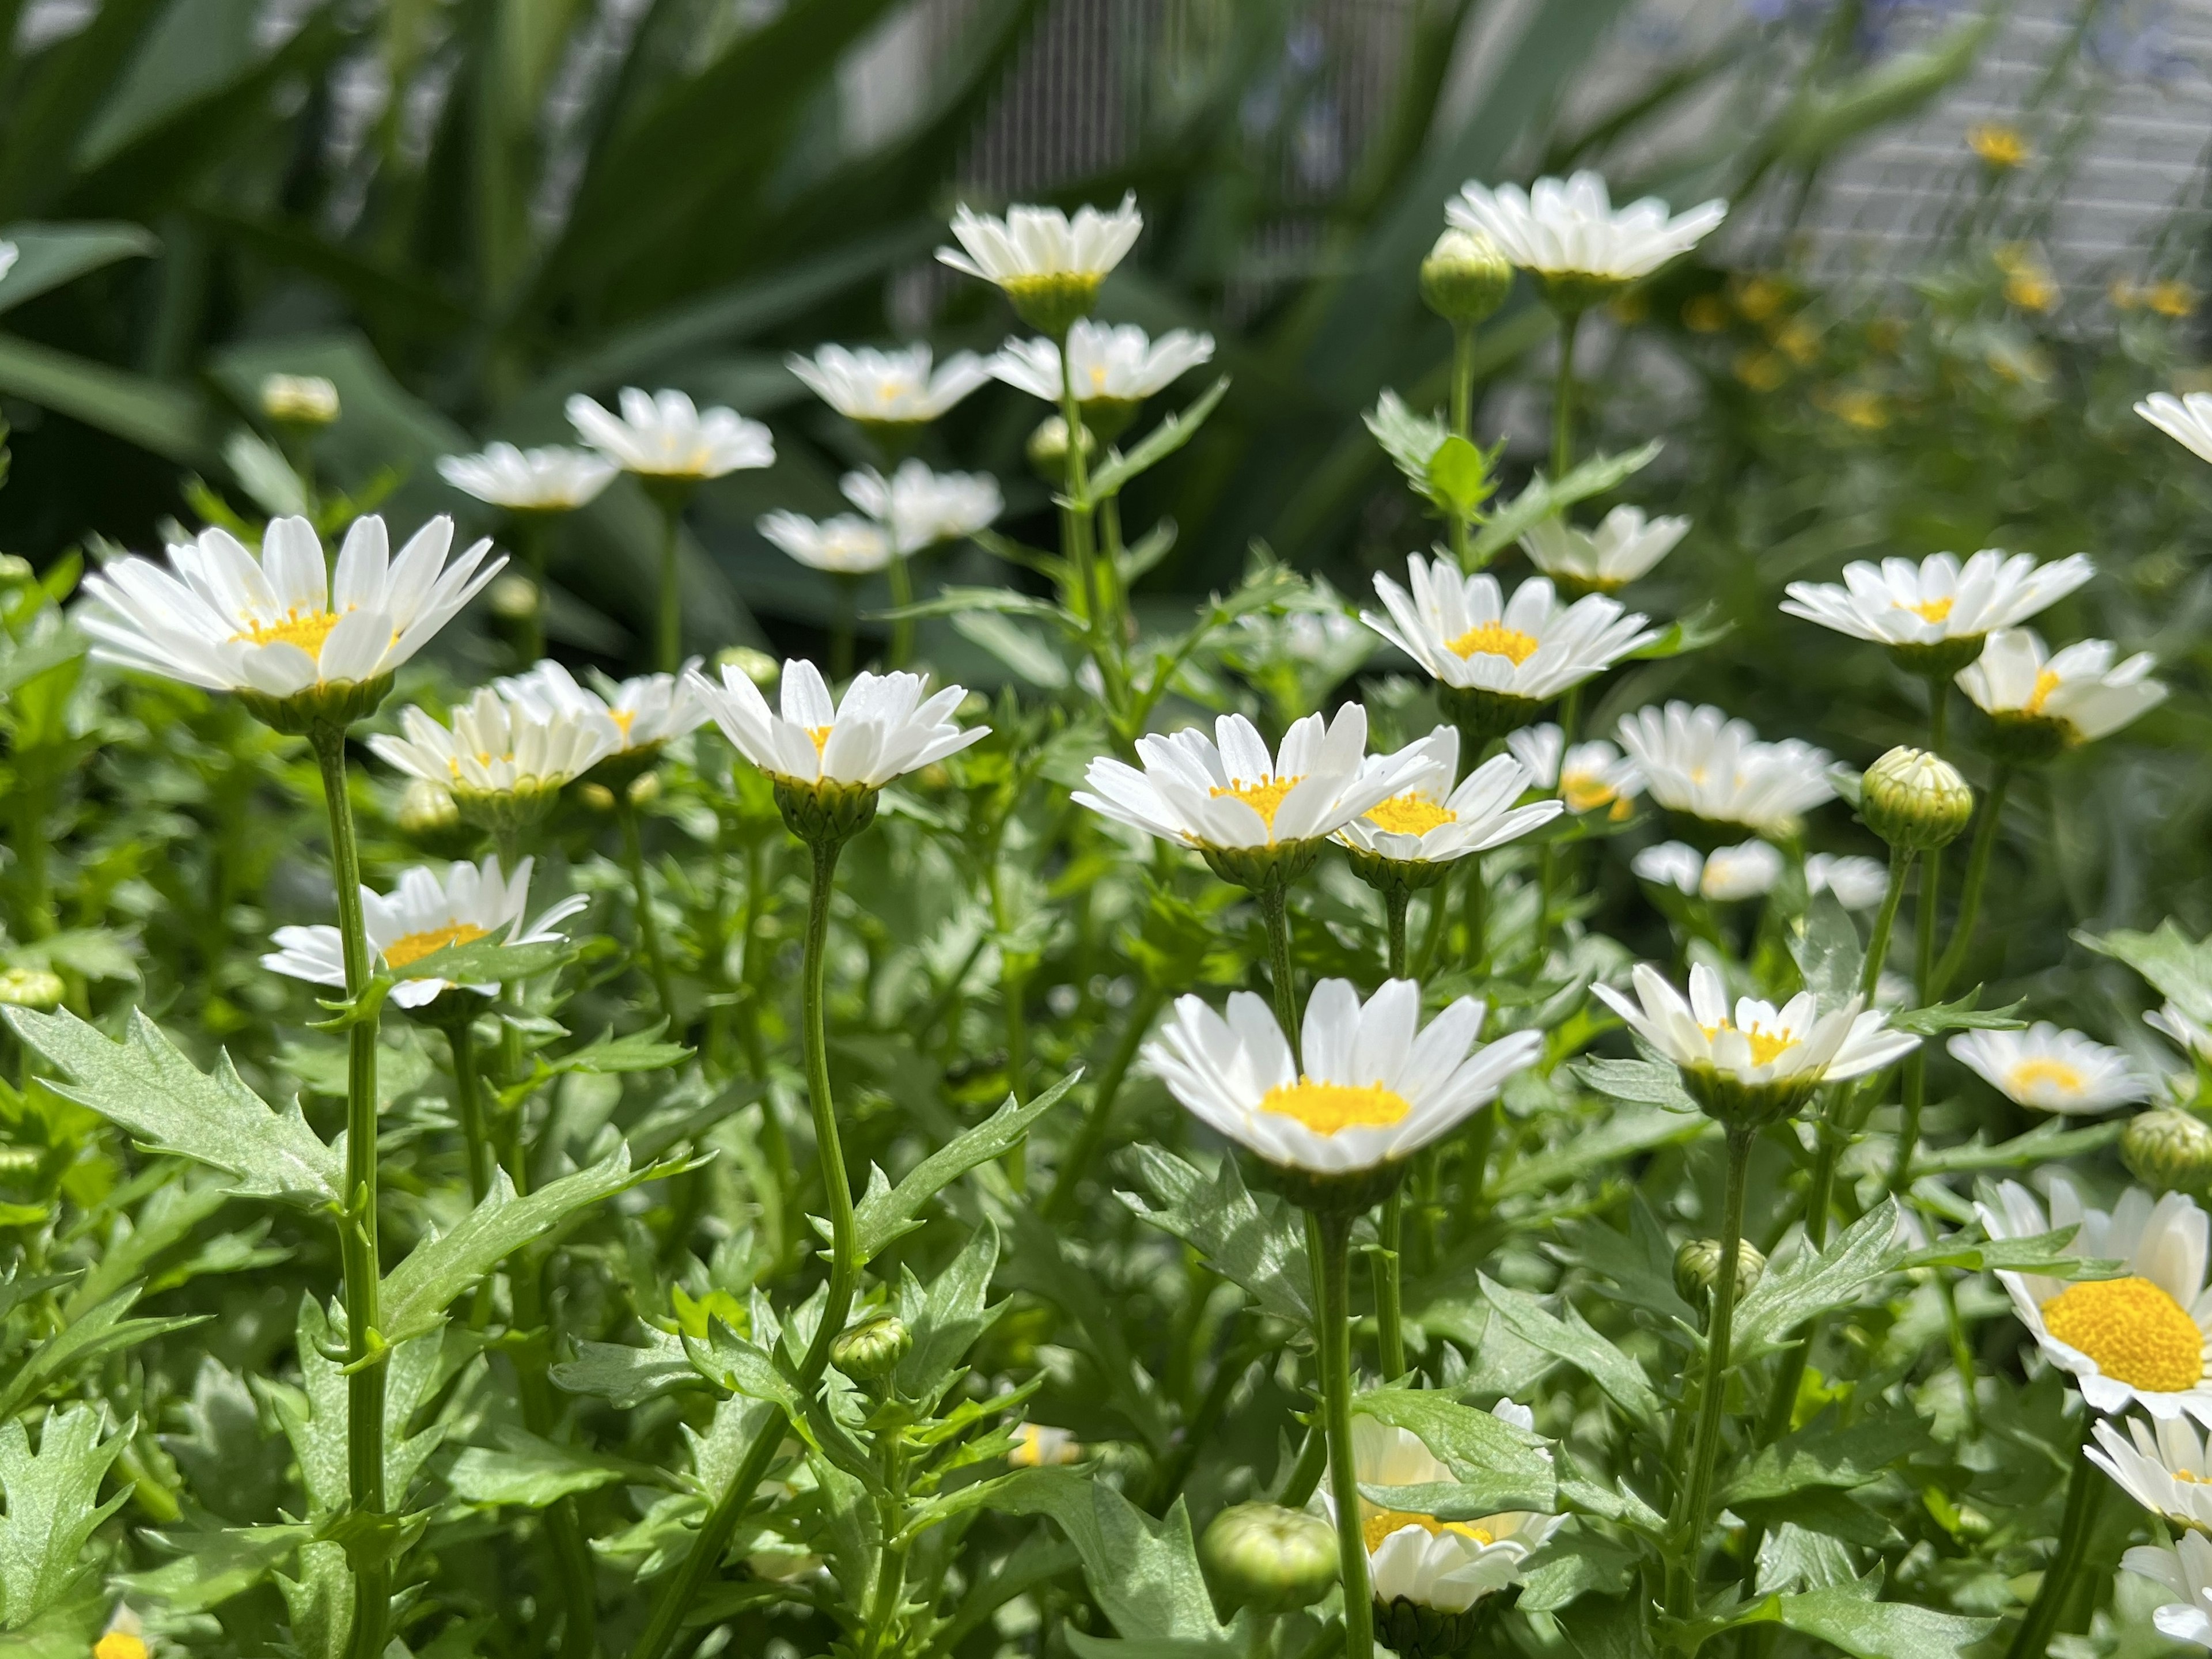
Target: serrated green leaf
(2178, 967)
(625, 1376)
(945, 1321)
(99, 1331)
(488, 962)
(636, 1051)
(1457, 478)
(1958, 1016)
(885, 1212)
(1250, 1239)
(2046, 1143)
(1643, 1082)
(1622, 1135)
(53, 1497)
(212, 1567)
(1496, 1466)
(527, 1471)
(1572, 1338)
(1162, 441)
(1810, 1282)
(1867, 1629)
(1826, 1453)
(1543, 498)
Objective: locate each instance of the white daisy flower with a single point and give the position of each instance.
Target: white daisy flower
(1670, 864)
(1699, 762)
(1509, 655)
(648, 710)
(2042, 702)
(1754, 1061)
(1374, 1090)
(2186, 1571)
(426, 912)
(1859, 884)
(882, 728)
(2137, 1340)
(1042, 1446)
(1933, 615)
(2192, 1038)
(1112, 363)
(1590, 776)
(1426, 821)
(277, 626)
(2165, 1470)
(1569, 228)
(502, 757)
(553, 479)
(1625, 545)
(920, 508)
(1048, 265)
(847, 545)
(2187, 421)
(2049, 1069)
(889, 388)
(1729, 874)
(663, 435)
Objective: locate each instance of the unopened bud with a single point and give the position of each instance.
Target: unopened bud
(597, 796)
(2168, 1151)
(871, 1348)
(1915, 800)
(299, 399)
(756, 666)
(1269, 1558)
(426, 809)
(31, 987)
(644, 789)
(1466, 277)
(1698, 1268)
(15, 570)
(1047, 449)
(513, 598)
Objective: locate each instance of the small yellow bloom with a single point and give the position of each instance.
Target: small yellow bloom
(2001, 146)
(1860, 408)
(1705, 313)
(1760, 297)
(119, 1644)
(1798, 340)
(2031, 290)
(2170, 298)
(2123, 295)
(1762, 371)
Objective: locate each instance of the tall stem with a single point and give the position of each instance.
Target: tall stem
(1092, 1136)
(1335, 1231)
(1923, 979)
(2085, 1491)
(468, 1100)
(1977, 874)
(901, 576)
(1462, 421)
(1478, 916)
(1393, 917)
(842, 627)
(669, 651)
(1275, 911)
(1077, 524)
(1562, 398)
(1691, 1517)
(648, 926)
(530, 529)
(1389, 1314)
(358, 1247)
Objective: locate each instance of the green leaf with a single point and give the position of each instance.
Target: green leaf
(1622, 1135)
(1869, 1629)
(1573, 1339)
(1409, 440)
(1162, 441)
(146, 1086)
(89, 1336)
(886, 1213)
(1959, 1016)
(527, 1470)
(624, 1376)
(212, 1567)
(1496, 1466)
(1822, 1453)
(169, 421)
(1032, 657)
(2042, 1253)
(946, 1321)
(1576, 1562)
(1643, 1082)
(1458, 477)
(1821, 121)
(488, 962)
(2178, 967)
(2046, 1143)
(637, 1051)
(1251, 1239)
(1703, 627)
(46, 256)
(1811, 1282)
(1543, 498)
(1825, 944)
(53, 1508)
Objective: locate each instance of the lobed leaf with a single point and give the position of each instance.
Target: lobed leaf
(52, 1508)
(1496, 1465)
(886, 1213)
(1251, 1239)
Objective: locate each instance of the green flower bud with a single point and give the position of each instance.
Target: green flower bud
(299, 399)
(1263, 869)
(331, 703)
(15, 570)
(1914, 799)
(871, 1348)
(513, 598)
(1465, 278)
(1698, 1268)
(2168, 1151)
(757, 667)
(831, 813)
(31, 987)
(1269, 1558)
(426, 809)
(1047, 449)
(498, 810)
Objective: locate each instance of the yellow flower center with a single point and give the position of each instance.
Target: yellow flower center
(2136, 1332)
(411, 948)
(821, 736)
(1325, 1108)
(1410, 815)
(1585, 792)
(2045, 684)
(119, 1644)
(2031, 1074)
(306, 629)
(1097, 376)
(1381, 1523)
(1496, 640)
(623, 719)
(1930, 611)
(1265, 797)
(1766, 1046)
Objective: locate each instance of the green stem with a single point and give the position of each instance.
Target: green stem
(541, 1415)
(468, 1099)
(1694, 1511)
(1462, 421)
(1275, 911)
(1562, 398)
(1478, 916)
(1970, 893)
(1393, 917)
(900, 574)
(1092, 1137)
(1109, 567)
(1885, 922)
(1335, 1231)
(1923, 978)
(891, 1570)
(530, 529)
(842, 627)
(1077, 524)
(1432, 936)
(1305, 1474)
(357, 1242)
(2085, 1491)
(648, 926)
(1389, 1316)
(670, 649)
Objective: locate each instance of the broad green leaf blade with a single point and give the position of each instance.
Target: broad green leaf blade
(146, 1086)
(1573, 1339)
(53, 1507)
(212, 1567)
(945, 1322)
(169, 421)
(886, 1212)
(624, 1376)
(2046, 1143)
(1824, 1453)
(1867, 1629)
(1498, 1466)
(1250, 1239)
(488, 962)
(637, 1051)
(527, 1471)
(46, 256)
(2178, 967)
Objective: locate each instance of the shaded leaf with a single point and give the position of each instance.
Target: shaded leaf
(1250, 1239)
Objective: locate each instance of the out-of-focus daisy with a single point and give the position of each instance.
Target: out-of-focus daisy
(1116, 368)
(919, 508)
(1042, 1446)
(2186, 1572)
(2186, 420)
(1753, 1062)
(2191, 1036)
(1590, 776)
(648, 710)
(277, 629)
(1747, 871)
(2039, 703)
(2137, 1340)
(888, 389)
(1048, 265)
(664, 435)
(885, 727)
(1857, 883)
(301, 400)
(847, 545)
(2049, 1069)
(552, 479)
(503, 759)
(1569, 234)
(1376, 1088)
(426, 912)
(1427, 823)
(1699, 762)
(1499, 660)
(1935, 616)
(1625, 545)
(2165, 1470)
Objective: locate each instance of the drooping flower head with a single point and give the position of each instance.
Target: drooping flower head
(504, 758)
(847, 545)
(1625, 545)
(919, 508)
(2187, 421)
(426, 912)
(1116, 368)
(664, 435)
(1590, 777)
(2039, 703)
(1048, 265)
(1935, 616)
(553, 479)
(1407, 840)
(1497, 661)
(2049, 1069)
(1568, 234)
(298, 646)
(648, 710)
(2165, 1470)
(1698, 762)
(895, 390)
(1753, 1063)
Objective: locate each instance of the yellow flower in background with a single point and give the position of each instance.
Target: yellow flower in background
(1760, 297)
(1999, 145)
(1705, 313)
(2172, 298)
(2031, 290)
(1798, 340)
(1762, 371)
(1858, 407)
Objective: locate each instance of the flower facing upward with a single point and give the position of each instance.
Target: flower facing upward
(1427, 821)
(1625, 545)
(1498, 659)
(847, 545)
(2039, 703)
(1048, 265)
(889, 388)
(2185, 1571)
(1376, 1088)
(2187, 421)
(663, 435)
(1699, 762)
(277, 628)
(1753, 1062)
(1729, 874)
(2165, 1470)
(882, 728)
(1590, 776)
(553, 479)
(919, 508)
(425, 913)
(648, 710)
(2137, 1340)
(2049, 1069)
(1934, 615)
(503, 758)
(1565, 229)
(1116, 365)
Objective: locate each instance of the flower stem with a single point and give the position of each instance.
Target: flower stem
(842, 626)
(1885, 922)
(1275, 911)
(1462, 421)
(1335, 1231)
(1562, 398)
(1389, 1316)
(1693, 1512)
(1478, 916)
(2085, 1491)
(1978, 873)
(1394, 916)
(901, 576)
(648, 927)
(530, 535)
(468, 1102)
(669, 651)
(357, 1245)
(1923, 979)
(1092, 1136)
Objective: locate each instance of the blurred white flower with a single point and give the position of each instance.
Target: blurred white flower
(10, 252)
(889, 388)
(1899, 602)
(2186, 1572)
(848, 544)
(1112, 363)
(552, 479)
(2192, 1038)
(883, 727)
(648, 710)
(2165, 1470)
(1625, 545)
(2187, 421)
(663, 435)
(2051, 1069)
(1427, 821)
(1467, 635)
(920, 508)
(1040, 244)
(1570, 227)
(2081, 690)
(499, 746)
(1699, 762)
(1729, 874)
(1590, 777)
(1857, 883)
